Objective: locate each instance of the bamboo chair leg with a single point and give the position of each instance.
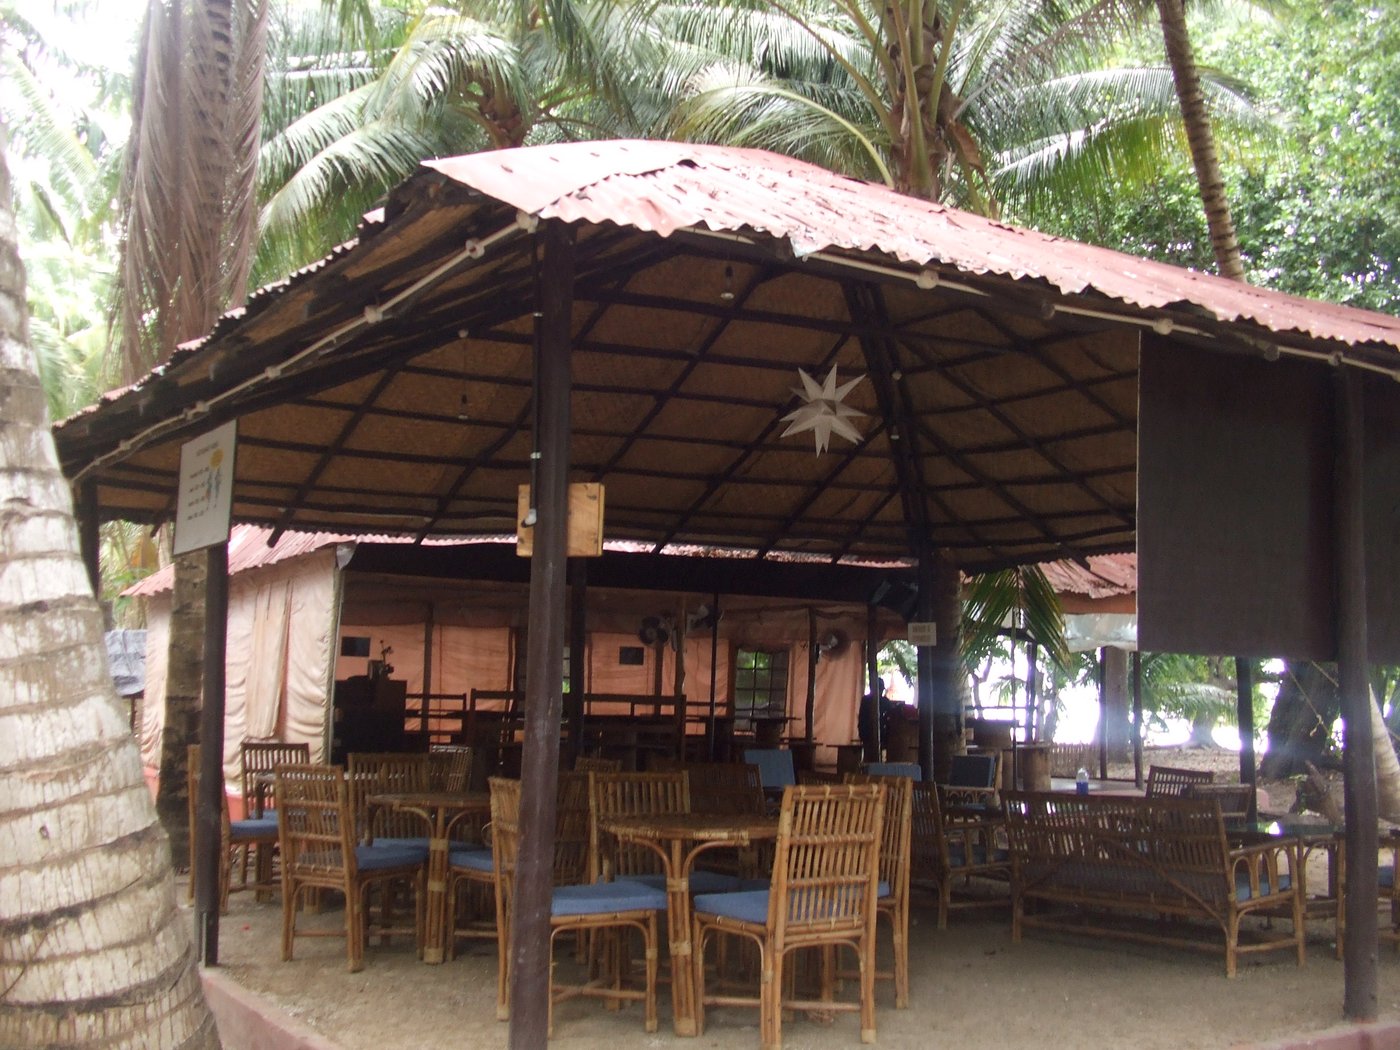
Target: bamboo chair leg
(355, 932)
(653, 962)
(770, 1005)
(867, 990)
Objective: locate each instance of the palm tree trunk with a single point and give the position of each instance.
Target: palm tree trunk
(1387, 765)
(92, 947)
(1200, 138)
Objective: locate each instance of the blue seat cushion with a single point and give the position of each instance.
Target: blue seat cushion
(744, 905)
(416, 841)
(253, 829)
(749, 905)
(377, 858)
(1242, 891)
(602, 898)
(701, 881)
(471, 859)
(1385, 876)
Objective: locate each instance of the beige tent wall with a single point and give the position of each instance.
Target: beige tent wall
(278, 661)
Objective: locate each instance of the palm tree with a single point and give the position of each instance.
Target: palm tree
(1209, 177)
(94, 948)
(348, 121)
(189, 215)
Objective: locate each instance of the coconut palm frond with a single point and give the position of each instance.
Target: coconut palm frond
(372, 157)
(1020, 596)
(743, 109)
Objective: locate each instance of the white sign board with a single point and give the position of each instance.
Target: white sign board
(206, 489)
(923, 632)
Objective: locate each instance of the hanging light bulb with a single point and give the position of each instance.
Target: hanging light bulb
(728, 294)
(462, 414)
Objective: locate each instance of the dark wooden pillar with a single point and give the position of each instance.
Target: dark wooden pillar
(1244, 710)
(1358, 759)
(89, 543)
(578, 655)
(710, 743)
(813, 654)
(544, 664)
(925, 665)
(874, 745)
(1137, 718)
(209, 807)
(428, 627)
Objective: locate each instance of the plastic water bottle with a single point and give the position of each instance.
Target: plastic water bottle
(1081, 781)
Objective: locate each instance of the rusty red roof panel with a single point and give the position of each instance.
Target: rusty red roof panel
(1107, 576)
(667, 186)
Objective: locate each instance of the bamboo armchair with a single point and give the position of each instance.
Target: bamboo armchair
(1234, 799)
(893, 900)
(1171, 782)
(630, 795)
(946, 852)
(449, 767)
(235, 837)
(374, 773)
(822, 895)
(258, 759)
(610, 906)
(319, 851)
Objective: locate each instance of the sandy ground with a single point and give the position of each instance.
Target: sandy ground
(971, 987)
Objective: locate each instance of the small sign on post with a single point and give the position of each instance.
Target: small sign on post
(585, 527)
(205, 503)
(923, 632)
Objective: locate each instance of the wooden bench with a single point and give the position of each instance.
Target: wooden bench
(1076, 859)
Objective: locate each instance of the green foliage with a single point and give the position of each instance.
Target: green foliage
(1317, 207)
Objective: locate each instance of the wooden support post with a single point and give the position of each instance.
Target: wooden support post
(1244, 710)
(428, 628)
(1103, 714)
(810, 709)
(714, 675)
(1358, 759)
(872, 672)
(924, 663)
(89, 543)
(578, 655)
(209, 807)
(544, 665)
(1137, 718)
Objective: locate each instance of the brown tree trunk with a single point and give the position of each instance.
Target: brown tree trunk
(93, 950)
(1300, 725)
(184, 681)
(1115, 714)
(1200, 138)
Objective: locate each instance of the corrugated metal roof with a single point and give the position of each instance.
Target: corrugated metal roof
(1107, 576)
(666, 186)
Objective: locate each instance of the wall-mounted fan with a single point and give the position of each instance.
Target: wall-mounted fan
(702, 618)
(654, 631)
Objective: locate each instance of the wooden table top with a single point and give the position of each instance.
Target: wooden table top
(461, 799)
(710, 827)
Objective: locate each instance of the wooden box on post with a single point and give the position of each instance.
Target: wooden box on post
(585, 521)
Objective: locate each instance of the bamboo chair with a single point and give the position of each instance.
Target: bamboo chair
(1234, 799)
(590, 907)
(630, 795)
(822, 896)
(731, 787)
(235, 837)
(319, 851)
(374, 773)
(974, 783)
(449, 767)
(893, 901)
(258, 759)
(1171, 782)
(945, 852)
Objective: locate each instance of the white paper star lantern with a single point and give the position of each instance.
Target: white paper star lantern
(822, 411)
